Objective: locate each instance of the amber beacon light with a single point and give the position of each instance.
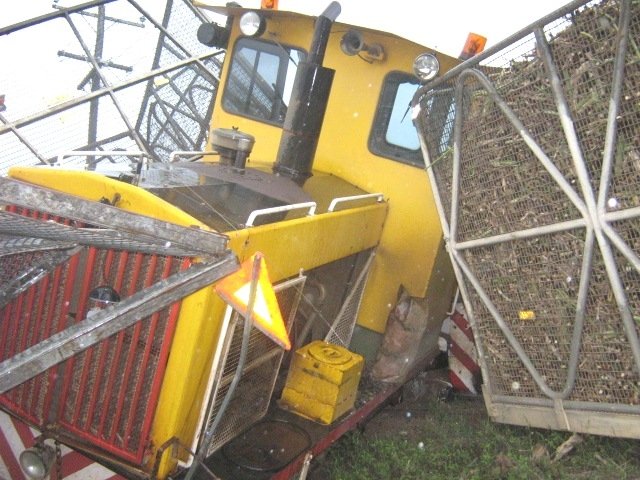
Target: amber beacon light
(474, 45)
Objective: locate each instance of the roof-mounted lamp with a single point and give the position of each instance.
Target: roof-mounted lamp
(213, 35)
(426, 66)
(252, 24)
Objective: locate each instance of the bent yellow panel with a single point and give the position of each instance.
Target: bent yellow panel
(308, 242)
(94, 186)
(187, 374)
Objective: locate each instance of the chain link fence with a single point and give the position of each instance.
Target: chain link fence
(106, 75)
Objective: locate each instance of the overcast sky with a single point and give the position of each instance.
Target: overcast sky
(442, 24)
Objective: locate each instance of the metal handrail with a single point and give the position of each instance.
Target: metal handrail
(284, 208)
(378, 196)
(177, 153)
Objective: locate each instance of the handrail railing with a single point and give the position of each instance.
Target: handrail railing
(284, 208)
(334, 203)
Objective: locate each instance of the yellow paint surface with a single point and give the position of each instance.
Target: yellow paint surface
(322, 382)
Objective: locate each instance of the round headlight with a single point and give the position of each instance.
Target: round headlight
(426, 66)
(36, 462)
(252, 24)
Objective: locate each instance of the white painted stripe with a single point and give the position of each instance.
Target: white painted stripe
(95, 471)
(13, 438)
(463, 374)
(64, 449)
(463, 342)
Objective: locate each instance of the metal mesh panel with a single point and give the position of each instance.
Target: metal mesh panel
(542, 217)
(19, 225)
(11, 245)
(342, 328)
(23, 268)
(92, 51)
(252, 396)
(174, 111)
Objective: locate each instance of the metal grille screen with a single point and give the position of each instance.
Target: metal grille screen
(252, 396)
(107, 393)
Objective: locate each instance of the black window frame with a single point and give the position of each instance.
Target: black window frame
(378, 143)
(282, 51)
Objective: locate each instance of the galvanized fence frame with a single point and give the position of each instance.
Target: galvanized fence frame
(549, 406)
(178, 78)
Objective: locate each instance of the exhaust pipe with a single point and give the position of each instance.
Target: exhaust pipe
(309, 98)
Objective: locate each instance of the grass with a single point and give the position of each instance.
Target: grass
(456, 440)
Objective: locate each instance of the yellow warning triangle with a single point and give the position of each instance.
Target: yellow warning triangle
(236, 288)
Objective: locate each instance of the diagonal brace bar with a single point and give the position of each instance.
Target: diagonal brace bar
(99, 214)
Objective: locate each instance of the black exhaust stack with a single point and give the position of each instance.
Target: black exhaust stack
(308, 104)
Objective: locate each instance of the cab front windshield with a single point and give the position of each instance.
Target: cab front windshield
(260, 80)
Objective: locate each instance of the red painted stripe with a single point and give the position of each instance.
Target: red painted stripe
(114, 373)
(464, 358)
(73, 462)
(30, 317)
(34, 338)
(462, 323)
(13, 334)
(148, 281)
(25, 433)
(161, 362)
(103, 347)
(86, 356)
(4, 334)
(89, 365)
(120, 413)
(69, 278)
(10, 459)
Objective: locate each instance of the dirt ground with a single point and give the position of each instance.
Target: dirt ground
(409, 414)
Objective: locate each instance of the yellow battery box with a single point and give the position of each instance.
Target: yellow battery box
(322, 382)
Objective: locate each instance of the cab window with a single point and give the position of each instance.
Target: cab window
(393, 134)
(260, 80)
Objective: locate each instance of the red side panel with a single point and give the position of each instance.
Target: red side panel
(105, 396)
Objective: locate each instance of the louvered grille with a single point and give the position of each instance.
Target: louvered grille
(108, 393)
